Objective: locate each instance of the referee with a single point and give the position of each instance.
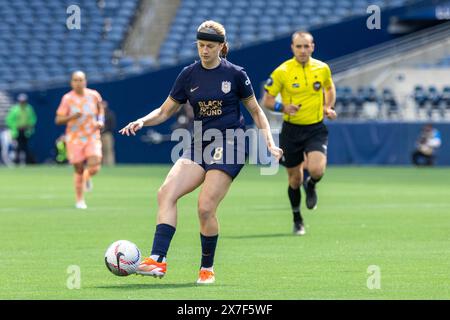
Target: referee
(307, 95)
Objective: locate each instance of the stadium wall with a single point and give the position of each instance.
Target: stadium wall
(378, 143)
(135, 96)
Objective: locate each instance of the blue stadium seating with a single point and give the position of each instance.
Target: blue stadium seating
(248, 22)
(432, 99)
(37, 46)
(41, 48)
(349, 103)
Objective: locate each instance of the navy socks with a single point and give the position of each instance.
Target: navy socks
(208, 250)
(161, 241)
(164, 234)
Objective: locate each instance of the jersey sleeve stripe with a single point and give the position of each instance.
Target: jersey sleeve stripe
(248, 98)
(175, 100)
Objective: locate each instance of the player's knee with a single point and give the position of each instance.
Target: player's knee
(206, 210)
(295, 181)
(162, 194)
(165, 195)
(316, 171)
(79, 169)
(93, 170)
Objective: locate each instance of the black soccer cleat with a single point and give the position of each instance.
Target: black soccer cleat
(311, 194)
(299, 229)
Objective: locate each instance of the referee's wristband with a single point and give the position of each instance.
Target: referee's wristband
(278, 107)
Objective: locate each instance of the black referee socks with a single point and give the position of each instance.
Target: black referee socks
(295, 197)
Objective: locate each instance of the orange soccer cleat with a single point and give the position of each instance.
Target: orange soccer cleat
(206, 276)
(150, 267)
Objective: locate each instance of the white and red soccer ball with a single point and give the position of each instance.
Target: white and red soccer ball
(122, 258)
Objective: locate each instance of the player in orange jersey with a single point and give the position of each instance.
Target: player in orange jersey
(81, 111)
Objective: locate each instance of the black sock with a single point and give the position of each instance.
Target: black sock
(208, 250)
(297, 216)
(161, 241)
(295, 197)
(313, 181)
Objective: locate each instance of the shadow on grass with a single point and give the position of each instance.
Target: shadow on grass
(149, 286)
(260, 236)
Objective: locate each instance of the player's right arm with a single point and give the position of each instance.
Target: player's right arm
(270, 103)
(157, 116)
(61, 119)
(63, 115)
(272, 87)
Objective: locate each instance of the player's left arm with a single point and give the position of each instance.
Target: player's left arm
(262, 123)
(100, 111)
(329, 96)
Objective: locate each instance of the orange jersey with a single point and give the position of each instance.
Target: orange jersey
(84, 129)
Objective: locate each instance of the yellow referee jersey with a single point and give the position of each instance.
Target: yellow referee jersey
(301, 85)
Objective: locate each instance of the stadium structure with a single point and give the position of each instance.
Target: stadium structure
(390, 79)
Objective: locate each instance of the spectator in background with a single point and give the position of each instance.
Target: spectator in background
(107, 136)
(429, 140)
(21, 120)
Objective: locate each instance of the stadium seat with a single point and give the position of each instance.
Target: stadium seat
(433, 96)
(167, 61)
(420, 96)
(346, 98)
(446, 96)
(360, 97)
(126, 62)
(147, 62)
(389, 102)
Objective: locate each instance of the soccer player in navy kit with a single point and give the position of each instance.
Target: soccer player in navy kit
(214, 87)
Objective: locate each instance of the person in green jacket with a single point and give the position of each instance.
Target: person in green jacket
(21, 120)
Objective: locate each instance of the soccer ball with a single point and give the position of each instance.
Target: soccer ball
(122, 258)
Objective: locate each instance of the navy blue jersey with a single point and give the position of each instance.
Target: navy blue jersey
(214, 94)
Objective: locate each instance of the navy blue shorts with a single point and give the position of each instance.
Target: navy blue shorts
(227, 156)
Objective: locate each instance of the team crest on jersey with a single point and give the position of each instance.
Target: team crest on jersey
(226, 86)
(317, 85)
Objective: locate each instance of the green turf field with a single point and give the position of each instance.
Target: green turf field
(395, 218)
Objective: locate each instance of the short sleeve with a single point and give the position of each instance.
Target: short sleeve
(63, 109)
(274, 84)
(328, 81)
(97, 96)
(178, 92)
(244, 86)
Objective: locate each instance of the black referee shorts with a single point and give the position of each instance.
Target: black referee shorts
(298, 139)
